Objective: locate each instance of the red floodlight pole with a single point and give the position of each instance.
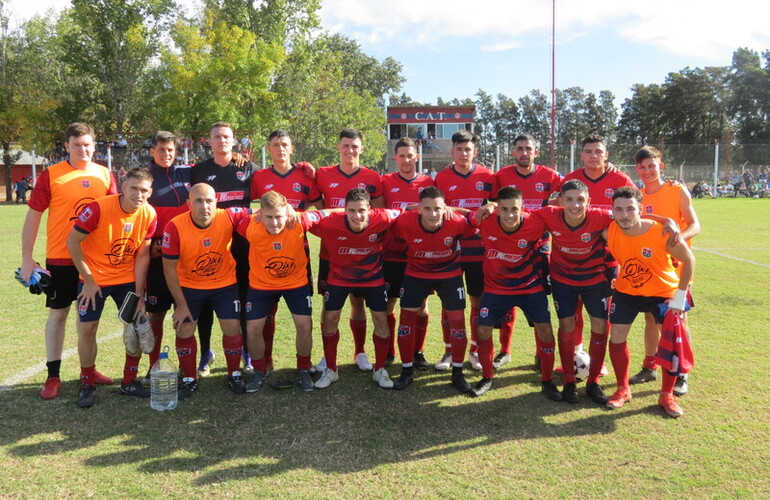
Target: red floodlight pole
(553, 84)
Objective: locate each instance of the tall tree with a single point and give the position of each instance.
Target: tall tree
(749, 102)
(640, 120)
(284, 22)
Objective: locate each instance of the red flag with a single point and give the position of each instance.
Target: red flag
(674, 351)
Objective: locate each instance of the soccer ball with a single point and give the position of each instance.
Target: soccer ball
(582, 362)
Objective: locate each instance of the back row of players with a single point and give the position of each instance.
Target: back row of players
(505, 263)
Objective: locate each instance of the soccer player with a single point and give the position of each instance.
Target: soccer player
(647, 279)
(354, 244)
(331, 188)
(467, 185)
(667, 200)
(512, 278)
(578, 275)
(170, 189)
(433, 264)
(295, 182)
(231, 180)
(537, 183)
(400, 190)
(200, 270)
(110, 246)
(278, 268)
(64, 189)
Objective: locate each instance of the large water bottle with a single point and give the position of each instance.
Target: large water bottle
(163, 383)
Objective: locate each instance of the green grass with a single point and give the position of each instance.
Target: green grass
(357, 441)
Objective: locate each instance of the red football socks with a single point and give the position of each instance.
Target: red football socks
(187, 350)
(621, 358)
(406, 336)
(330, 341)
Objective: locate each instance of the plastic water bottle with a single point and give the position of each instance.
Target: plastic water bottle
(163, 383)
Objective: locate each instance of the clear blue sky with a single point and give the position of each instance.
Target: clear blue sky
(451, 48)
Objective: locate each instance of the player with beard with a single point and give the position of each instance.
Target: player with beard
(400, 190)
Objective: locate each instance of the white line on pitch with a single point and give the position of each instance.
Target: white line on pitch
(732, 257)
(23, 375)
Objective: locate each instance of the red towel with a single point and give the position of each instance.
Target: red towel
(674, 351)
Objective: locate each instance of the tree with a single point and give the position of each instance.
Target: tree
(284, 22)
(749, 102)
(535, 117)
(640, 120)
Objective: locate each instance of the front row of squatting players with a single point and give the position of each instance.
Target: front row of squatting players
(173, 235)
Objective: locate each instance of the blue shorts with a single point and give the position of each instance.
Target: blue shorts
(595, 297)
(474, 278)
(259, 303)
(375, 296)
(159, 297)
(494, 307)
(624, 307)
(450, 290)
(118, 294)
(224, 301)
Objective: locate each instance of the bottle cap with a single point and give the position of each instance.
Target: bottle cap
(164, 353)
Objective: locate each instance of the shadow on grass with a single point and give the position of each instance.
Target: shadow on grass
(352, 426)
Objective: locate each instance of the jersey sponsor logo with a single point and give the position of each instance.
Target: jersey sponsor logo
(395, 190)
(492, 238)
(585, 237)
(230, 195)
(531, 205)
(648, 209)
(206, 242)
(647, 252)
(121, 251)
(355, 251)
(399, 204)
(207, 264)
(85, 183)
(452, 188)
(166, 240)
(522, 243)
(268, 187)
(128, 227)
(636, 273)
(557, 233)
(240, 175)
(86, 214)
(211, 177)
(609, 192)
(341, 238)
(448, 240)
(507, 257)
(484, 312)
(280, 267)
(539, 187)
(468, 202)
(442, 254)
(337, 203)
(334, 184)
(296, 187)
(294, 203)
(417, 240)
(574, 251)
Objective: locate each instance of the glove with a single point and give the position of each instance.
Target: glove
(39, 280)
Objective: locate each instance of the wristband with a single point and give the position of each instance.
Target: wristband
(679, 300)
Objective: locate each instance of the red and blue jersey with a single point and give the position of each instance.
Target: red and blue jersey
(511, 259)
(400, 193)
(432, 254)
(294, 185)
(170, 190)
(601, 190)
(470, 191)
(355, 258)
(536, 187)
(577, 252)
(230, 182)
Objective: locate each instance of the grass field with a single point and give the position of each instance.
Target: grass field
(357, 441)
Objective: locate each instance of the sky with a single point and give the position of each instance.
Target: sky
(452, 48)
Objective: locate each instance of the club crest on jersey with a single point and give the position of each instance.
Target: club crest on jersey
(372, 238)
(609, 192)
(86, 214)
(539, 187)
(206, 242)
(648, 209)
(448, 240)
(128, 227)
(522, 243)
(277, 245)
(361, 185)
(240, 175)
(585, 237)
(312, 216)
(484, 312)
(166, 240)
(647, 252)
(479, 186)
(85, 183)
(296, 187)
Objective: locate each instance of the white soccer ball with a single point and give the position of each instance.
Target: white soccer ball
(582, 363)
